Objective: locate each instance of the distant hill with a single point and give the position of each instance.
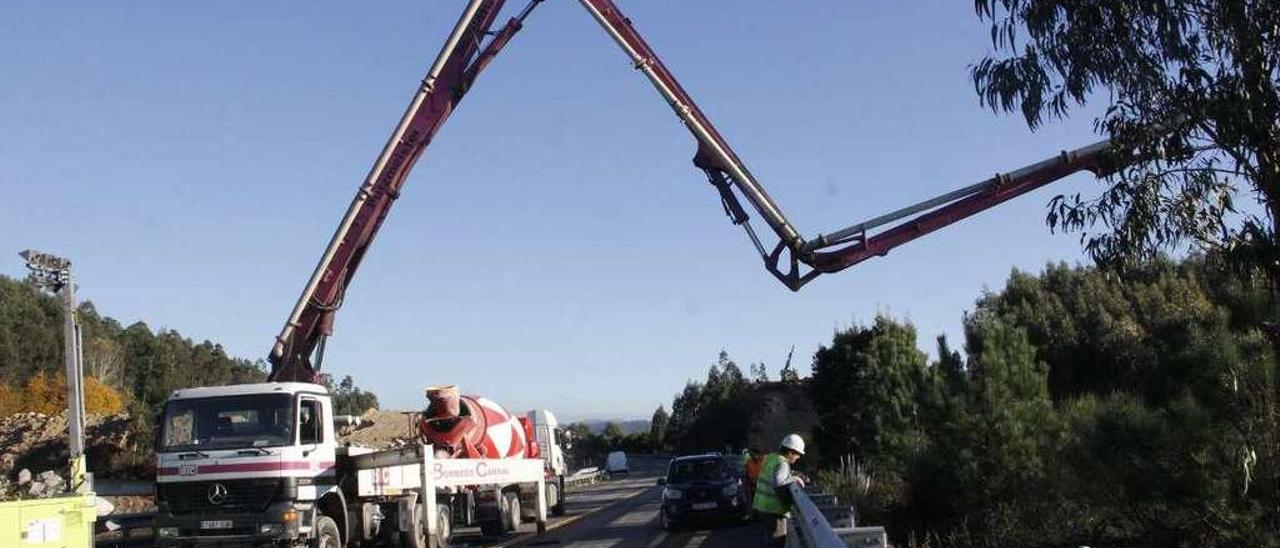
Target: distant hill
(628, 427)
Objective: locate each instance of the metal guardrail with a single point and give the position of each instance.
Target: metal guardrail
(586, 476)
(809, 526)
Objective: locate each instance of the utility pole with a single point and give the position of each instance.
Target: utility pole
(53, 273)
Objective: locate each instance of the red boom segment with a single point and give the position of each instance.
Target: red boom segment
(843, 248)
(459, 63)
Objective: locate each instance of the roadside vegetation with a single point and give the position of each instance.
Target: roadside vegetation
(129, 370)
(1087, 408)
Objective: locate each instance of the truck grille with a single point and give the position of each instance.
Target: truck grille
(238, 496)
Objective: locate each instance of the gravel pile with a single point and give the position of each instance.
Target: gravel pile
(35, 441)
(382, 429)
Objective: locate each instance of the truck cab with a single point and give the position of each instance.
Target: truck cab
(547, 432)
(252, 463)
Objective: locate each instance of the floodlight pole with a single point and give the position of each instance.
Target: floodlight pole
(54, 273)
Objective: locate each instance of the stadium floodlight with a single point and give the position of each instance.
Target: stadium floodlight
(48, 271)
(53, 273)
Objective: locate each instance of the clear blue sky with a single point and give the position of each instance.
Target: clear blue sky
(555, 247)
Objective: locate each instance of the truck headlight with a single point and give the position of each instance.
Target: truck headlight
(270, 528)
(730, 490)
(167, 532)
(672, 494)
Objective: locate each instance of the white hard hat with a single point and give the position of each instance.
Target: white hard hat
(793, 442)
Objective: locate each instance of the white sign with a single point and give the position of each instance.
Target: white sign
(45, 530)
(393, 480)
(481, 471)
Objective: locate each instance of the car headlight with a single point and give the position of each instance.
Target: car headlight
(672, 494)
(167, 532)
(730, 490)
(270, 528)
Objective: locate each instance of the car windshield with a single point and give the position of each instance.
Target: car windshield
(228, 422)
(684, 471)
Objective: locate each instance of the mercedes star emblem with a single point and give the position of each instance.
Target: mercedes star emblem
(217, 494)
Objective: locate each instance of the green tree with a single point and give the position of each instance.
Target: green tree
(349, 399)
(759, 373)
(613, 433)
(685, 410)
(1205, 72)
(865, 387)
(1013, 406)
(658, 428)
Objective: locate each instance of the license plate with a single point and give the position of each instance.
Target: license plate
(704, 505)
(216, 524)
(186, 470)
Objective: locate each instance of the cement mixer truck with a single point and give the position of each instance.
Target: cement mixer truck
(261, 464)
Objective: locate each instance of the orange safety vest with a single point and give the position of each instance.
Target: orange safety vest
(753, 467)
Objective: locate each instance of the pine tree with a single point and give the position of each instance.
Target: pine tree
(658, 429)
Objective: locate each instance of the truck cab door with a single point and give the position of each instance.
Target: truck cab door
(315, 433)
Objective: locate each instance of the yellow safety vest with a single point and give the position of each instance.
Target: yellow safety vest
(766, 499)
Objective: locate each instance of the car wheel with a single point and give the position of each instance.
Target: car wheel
(668, 523)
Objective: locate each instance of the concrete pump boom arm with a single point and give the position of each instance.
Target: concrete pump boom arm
(460, 61)
(465, 54)
(846, 247)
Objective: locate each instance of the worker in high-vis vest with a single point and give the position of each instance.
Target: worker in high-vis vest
(772, 501)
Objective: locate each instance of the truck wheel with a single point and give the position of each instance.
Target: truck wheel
(512, 521)
(555, 497)
(327, 535)
(417, 537)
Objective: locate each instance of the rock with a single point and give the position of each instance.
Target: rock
(24, 476)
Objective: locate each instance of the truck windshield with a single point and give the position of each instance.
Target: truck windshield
(228, 422)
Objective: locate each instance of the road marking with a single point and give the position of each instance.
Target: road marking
(566, 521)
(657, 540)
(698, 539)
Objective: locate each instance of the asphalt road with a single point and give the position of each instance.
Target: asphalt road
(619, 513)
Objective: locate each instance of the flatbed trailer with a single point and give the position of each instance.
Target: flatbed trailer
(403, 474)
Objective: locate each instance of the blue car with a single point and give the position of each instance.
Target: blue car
(702, 488)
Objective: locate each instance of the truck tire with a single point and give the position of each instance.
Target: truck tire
(327, 535)
(555, 497)
(444, 525)
(417, 538)
(511, 519)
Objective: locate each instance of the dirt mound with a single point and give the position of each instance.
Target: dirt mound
(382, 428)
(36, 441)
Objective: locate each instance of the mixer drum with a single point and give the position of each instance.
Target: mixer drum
(480, 429)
